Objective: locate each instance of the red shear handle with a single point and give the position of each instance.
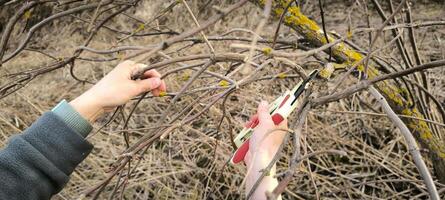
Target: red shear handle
(241, 152)
(277, 118)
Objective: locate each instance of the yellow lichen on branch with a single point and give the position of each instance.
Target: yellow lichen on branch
(395, 95)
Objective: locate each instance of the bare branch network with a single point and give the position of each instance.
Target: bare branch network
(371, 125)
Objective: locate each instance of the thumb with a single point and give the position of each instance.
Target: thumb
(149, 84)
(263, 112)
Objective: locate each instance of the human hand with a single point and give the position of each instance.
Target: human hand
(264, 142)
(117, 88)
(263, 145)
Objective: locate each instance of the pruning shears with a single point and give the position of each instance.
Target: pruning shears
(280, 109)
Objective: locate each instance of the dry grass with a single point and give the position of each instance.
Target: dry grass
(187, 164)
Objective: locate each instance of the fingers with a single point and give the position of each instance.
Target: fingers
(127, 69)
(149, 84)
(126, 64)
(153, 73)
(131, 68)
(162, 88)
(263, 112)
(150, 79)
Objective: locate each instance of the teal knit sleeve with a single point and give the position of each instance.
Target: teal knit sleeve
(72, 118)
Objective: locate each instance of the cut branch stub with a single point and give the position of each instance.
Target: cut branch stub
(394, 94)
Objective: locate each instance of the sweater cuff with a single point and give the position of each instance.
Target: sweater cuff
(72, 118)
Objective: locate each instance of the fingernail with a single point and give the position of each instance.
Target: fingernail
(155, 82)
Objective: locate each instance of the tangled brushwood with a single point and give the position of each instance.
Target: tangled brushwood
(370, 126)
